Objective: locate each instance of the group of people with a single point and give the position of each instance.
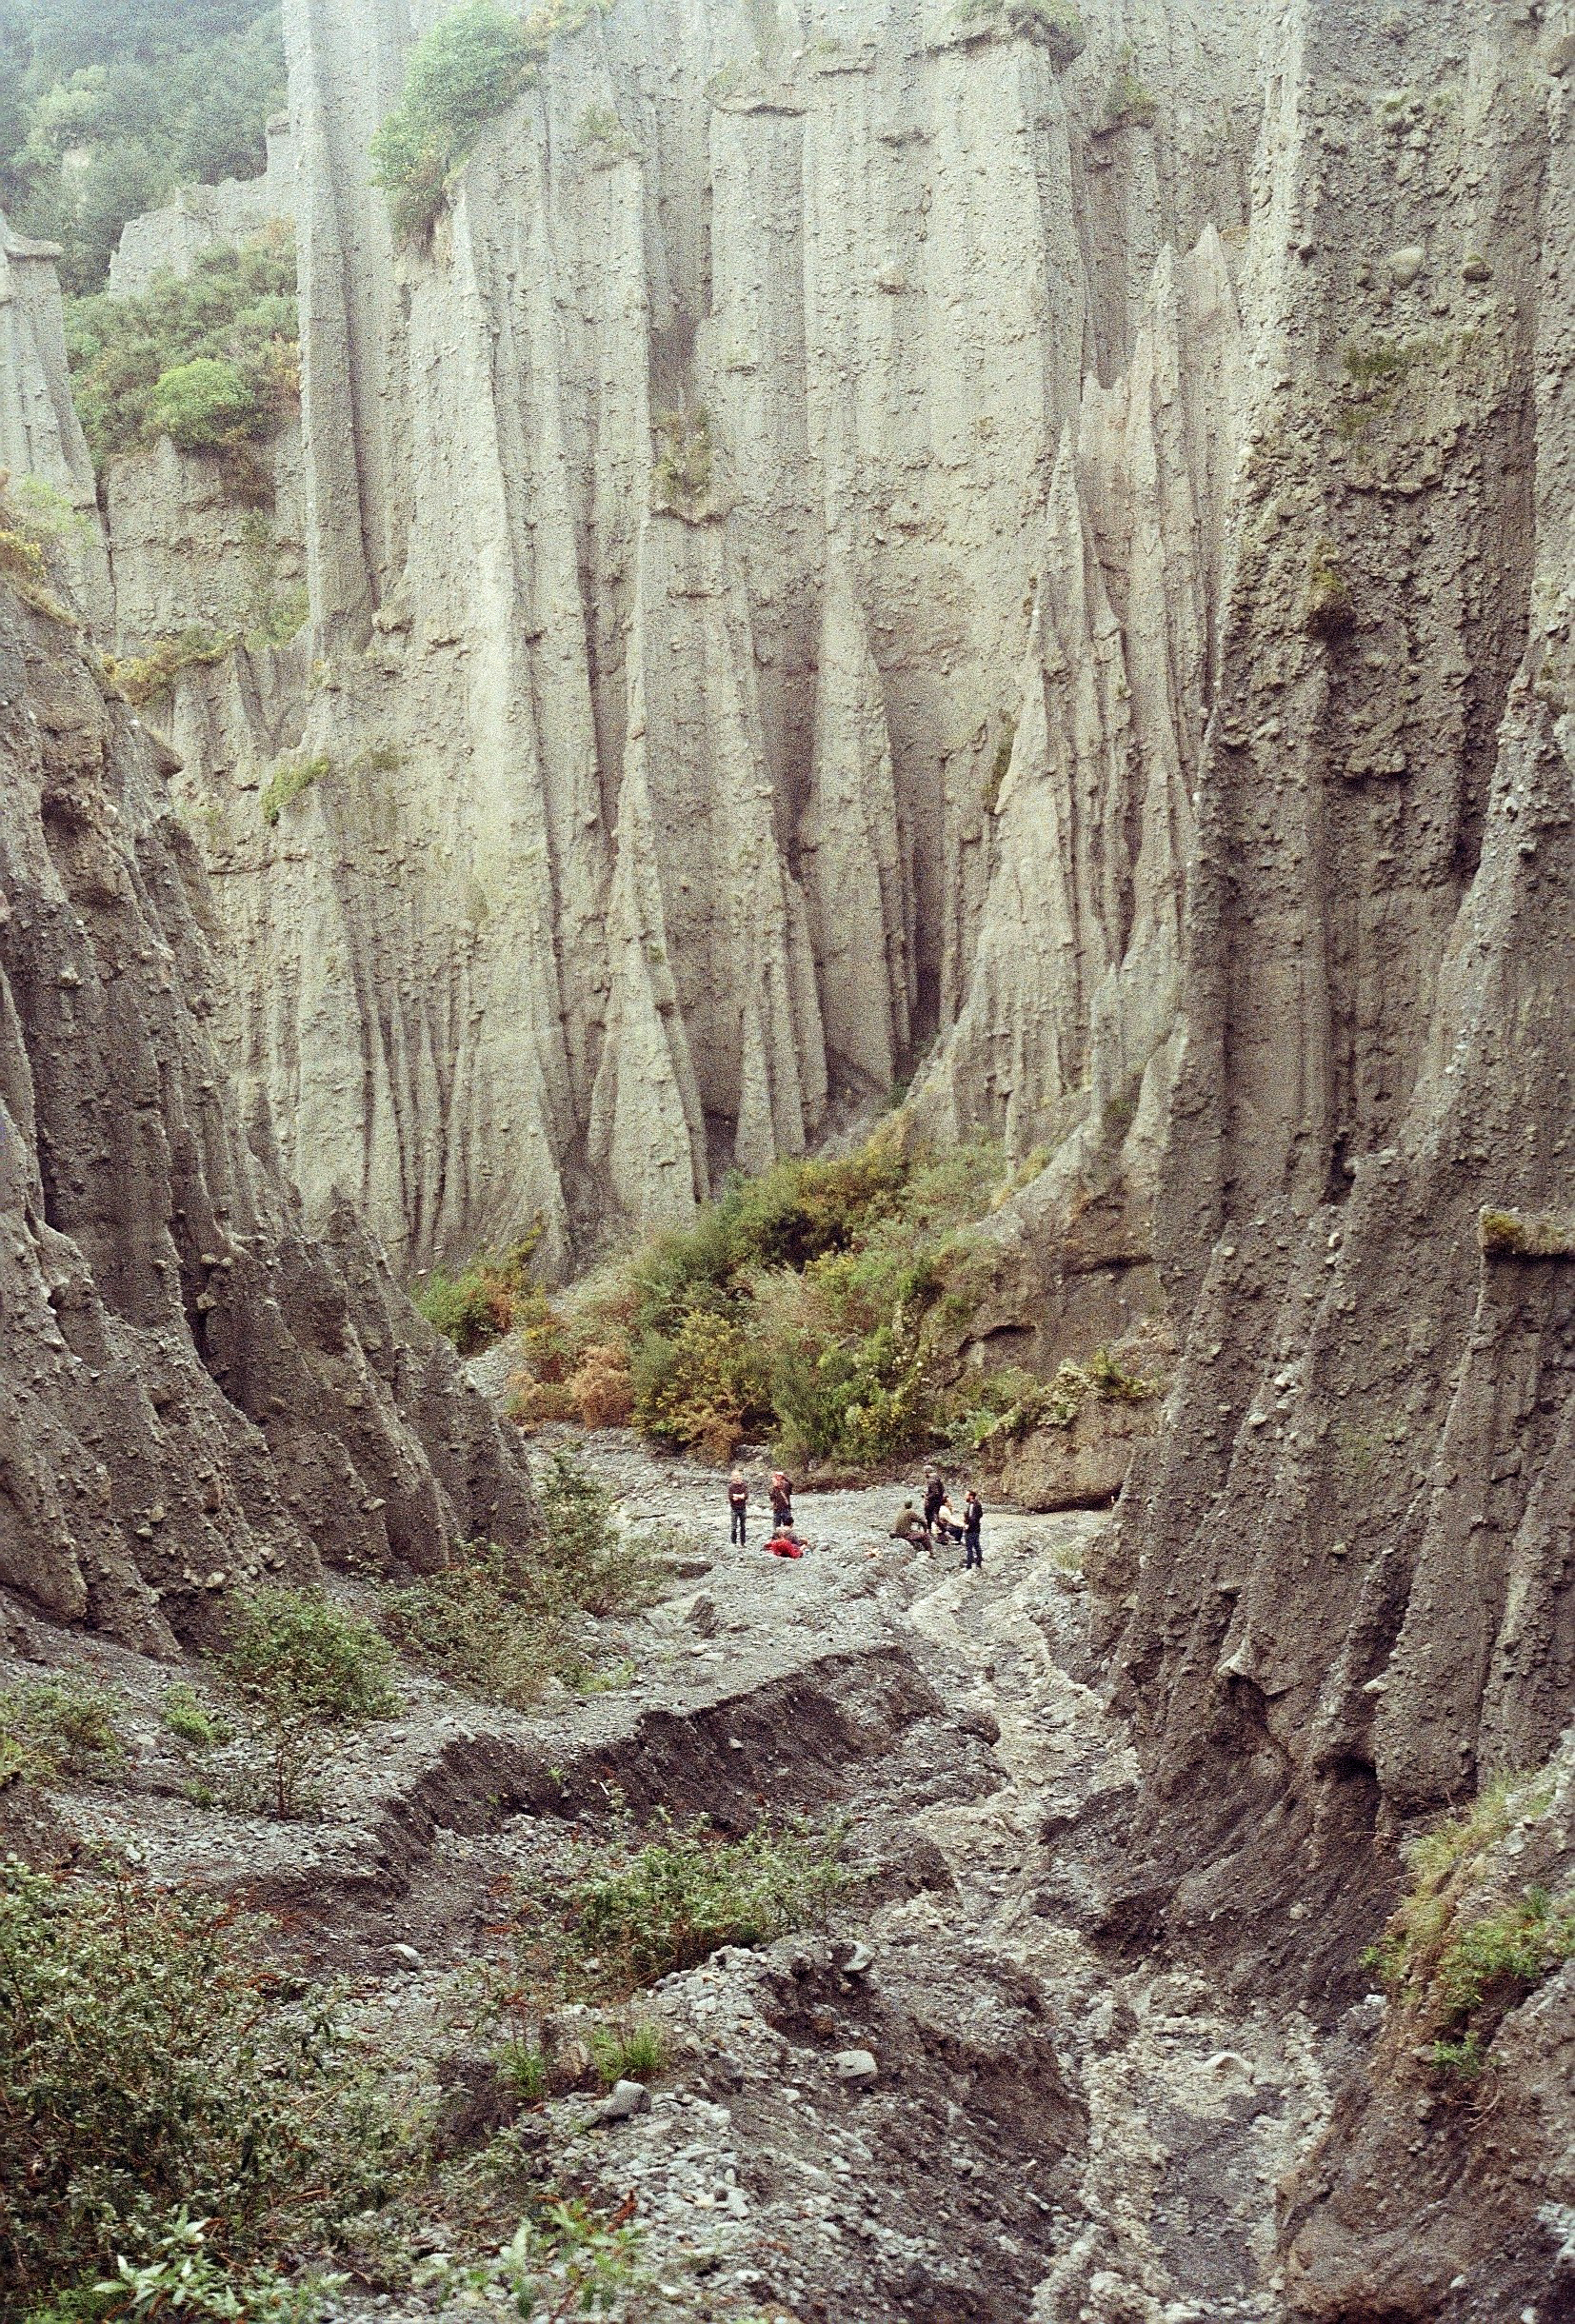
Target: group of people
(784, 1542)
(937, 1522)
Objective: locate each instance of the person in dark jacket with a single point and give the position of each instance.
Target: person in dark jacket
(935, 1494)
(738, 1504)
(973, 1518)
(782, 1502)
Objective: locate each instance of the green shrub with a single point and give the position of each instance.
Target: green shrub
(301, 1666)
(500, 1622)
(287, 780)
(482, 1302)
(62, 1727)
(632, 1913)
(149, 2068)
(579, 2261)
(201, 404)
(190, 1719)
(471, 65)
(210, 358)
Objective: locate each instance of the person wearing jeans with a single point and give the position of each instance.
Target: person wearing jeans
(973, 1517)
(738, 1503)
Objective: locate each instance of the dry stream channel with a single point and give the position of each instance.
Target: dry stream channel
(951, 2102)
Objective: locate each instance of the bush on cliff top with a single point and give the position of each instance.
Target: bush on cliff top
(471, 65)
(211, 359)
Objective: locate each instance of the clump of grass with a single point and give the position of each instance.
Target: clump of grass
(500, 1622)
(1128, 104)
(1455, 1971)
(600, 134)
(629, 2050)
(287, 780)
(1329, 608)
(190, 1720)
(60, 1727)
(631, 1912)
(155, 2070)
(143, 676)
(303, 1669)
(1520, 1234)
(681, 480)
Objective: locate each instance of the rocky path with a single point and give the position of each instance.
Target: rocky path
(950, 2103)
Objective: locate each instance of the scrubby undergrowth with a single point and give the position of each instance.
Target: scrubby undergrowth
(824, 1305)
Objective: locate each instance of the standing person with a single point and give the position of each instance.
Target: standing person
(973, 1517)
(738, 1504)
(782, 1502)
(935, 1494)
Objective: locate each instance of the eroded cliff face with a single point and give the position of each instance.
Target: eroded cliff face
(842, 409)
(195, 1393)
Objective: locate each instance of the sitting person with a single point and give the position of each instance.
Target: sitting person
(910, 1525)
(785, 1542)
(947, 1526)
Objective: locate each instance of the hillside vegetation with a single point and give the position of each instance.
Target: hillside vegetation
(107, 105)
(824, 1305)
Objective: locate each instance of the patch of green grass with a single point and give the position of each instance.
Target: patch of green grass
(1329, 608)
(144, 677)
(1011, 1404)
(1520, 1234)
(600, 134)
(190, 1720)
(287, 780)
(300, 1669)
(1128, 104)
(1456, 1969)
(155, 2068)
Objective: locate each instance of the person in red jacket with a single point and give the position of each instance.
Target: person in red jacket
(785, 1542)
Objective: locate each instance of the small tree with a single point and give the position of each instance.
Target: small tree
(300, 1665)
(202, 404)
(472, 63)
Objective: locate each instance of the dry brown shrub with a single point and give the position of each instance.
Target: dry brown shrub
(601, 1387)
